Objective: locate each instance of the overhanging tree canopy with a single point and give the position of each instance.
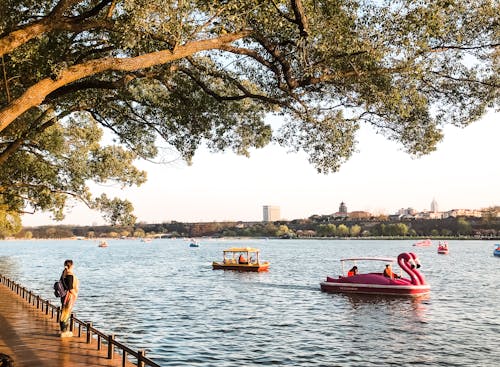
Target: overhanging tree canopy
(195, 72)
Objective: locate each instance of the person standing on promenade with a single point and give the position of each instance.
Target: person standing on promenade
(72, 284)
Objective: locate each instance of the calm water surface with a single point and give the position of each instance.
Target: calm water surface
(164, 296)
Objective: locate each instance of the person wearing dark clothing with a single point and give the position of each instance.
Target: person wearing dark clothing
(71, 284)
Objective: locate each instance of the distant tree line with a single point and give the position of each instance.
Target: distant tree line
(313, 227)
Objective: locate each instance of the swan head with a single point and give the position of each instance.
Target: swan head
(412, 263)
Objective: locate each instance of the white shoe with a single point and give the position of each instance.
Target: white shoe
(66, 334)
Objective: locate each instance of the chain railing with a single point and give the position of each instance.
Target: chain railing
(75, 323)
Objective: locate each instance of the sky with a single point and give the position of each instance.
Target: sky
(464, 173)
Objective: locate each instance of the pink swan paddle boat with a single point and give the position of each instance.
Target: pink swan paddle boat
(424, 243)
(443, 248)
(377, 283)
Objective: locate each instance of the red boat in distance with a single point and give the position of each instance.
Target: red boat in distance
(424, 243)
(443, 248)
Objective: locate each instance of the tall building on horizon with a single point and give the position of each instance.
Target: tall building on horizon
(271, 213)
(343, 208)
(434, 206)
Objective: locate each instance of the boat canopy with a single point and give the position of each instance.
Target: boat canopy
(242, 249)
(385, 259)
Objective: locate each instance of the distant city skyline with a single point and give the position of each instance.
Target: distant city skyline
(379, 178)
(272, 213)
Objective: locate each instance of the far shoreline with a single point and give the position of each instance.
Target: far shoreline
(392, 238)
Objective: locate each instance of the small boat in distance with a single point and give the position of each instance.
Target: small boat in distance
(194, 243)
(376, 282)
(241, 259)
(443, 248)
(103, 243)
(496, 251)
(146, 240)
(424, 243)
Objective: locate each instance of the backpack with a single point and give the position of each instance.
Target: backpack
(59, 289)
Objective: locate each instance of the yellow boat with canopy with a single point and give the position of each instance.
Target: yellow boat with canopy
(241, 259)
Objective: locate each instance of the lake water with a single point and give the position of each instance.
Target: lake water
(164, 296)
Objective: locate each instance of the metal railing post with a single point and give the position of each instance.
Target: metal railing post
(111, 346)
(89, 332)
(140, 355)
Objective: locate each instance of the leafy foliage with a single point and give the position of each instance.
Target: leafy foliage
(188, 73)
(10, 222)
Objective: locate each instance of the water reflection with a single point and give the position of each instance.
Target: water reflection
(286, 286)
(416, 306)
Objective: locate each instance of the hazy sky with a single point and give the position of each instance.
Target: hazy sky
(464, 172)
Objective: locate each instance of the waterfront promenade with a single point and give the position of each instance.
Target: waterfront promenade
(31, 338)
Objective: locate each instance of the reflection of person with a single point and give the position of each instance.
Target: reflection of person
(353, 271)
(389, 273)
(242, 259)
(71, 283)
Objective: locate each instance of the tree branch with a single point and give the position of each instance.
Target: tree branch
(62, 6)
(54, 21)
(466, 80)
(300, 17)
(36, 94)
(452, 47)
(281, 59)
(252, 54)
(218, 97)
(54, 191)
(95, 10)
(88, 84)
(14, 145)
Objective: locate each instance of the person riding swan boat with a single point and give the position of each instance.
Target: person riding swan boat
(381, 283)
